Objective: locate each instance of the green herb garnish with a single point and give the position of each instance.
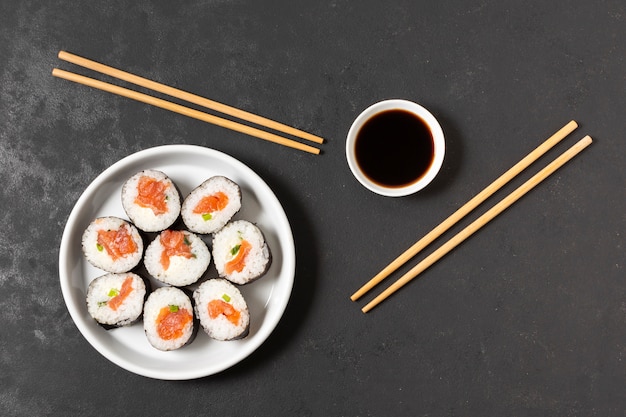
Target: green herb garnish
(173, 308)
(235, 249)
(186, 241)
(206, 217)
(226, 298)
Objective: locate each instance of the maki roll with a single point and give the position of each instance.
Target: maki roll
(211, 205)
(116, 300)
(151, 200)
(177, 257)
(168, 319)
(222, 310)
(112, 244)
(240, 252)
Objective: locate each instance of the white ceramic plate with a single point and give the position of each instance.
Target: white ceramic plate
(267, 297)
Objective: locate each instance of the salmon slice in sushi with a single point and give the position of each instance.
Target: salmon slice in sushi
(112, 244)
(240, 252)
(151, 200)
(222, 310)
(177, 257)
(168, 319)
(211, 205)
(116, 300)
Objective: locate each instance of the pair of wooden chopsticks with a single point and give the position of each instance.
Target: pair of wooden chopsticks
(478, 223)
(183, 95)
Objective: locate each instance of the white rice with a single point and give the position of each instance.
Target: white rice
(98, 256)
(166, 297)
(220, 327)
(228, 239)
(104, 288)
(182, 271)
(206, 223)
(144, 217)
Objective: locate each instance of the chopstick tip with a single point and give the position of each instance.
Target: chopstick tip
(360, 292)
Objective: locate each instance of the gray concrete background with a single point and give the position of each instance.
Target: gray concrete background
(526, 318)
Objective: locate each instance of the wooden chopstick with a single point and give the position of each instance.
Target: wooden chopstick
(481, 221)
(186, 111)
(184, 95)
(467, 208)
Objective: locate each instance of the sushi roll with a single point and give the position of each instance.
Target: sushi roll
(168, 319)
(151, 200)
(116, 300)
(112, 244)
(177, 257)
(211, 205)
(222, 310)
(240, 252)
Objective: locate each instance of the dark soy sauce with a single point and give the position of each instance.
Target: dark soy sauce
(394, 148)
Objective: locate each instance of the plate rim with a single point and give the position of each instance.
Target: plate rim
(288, 259)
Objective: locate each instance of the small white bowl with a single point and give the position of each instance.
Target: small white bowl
(438, 142)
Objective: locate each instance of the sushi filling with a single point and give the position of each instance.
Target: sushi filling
(217, 307)
(171, 322)
(211, 204)
(117, 243)
(174, 243)
(151, 194)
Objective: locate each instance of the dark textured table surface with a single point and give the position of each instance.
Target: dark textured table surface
(525, 318)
